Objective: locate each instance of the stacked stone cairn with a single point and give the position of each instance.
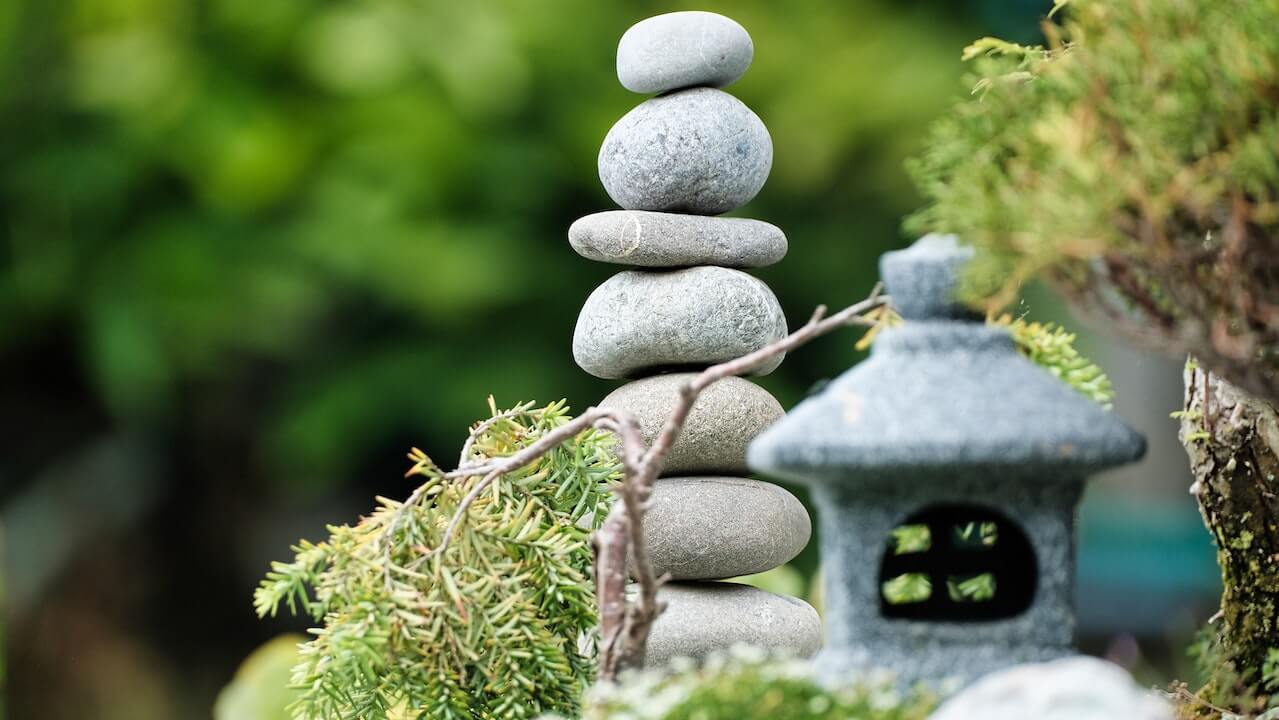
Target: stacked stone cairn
(674, 163)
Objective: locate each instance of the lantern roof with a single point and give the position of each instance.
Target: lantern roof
(943, 391)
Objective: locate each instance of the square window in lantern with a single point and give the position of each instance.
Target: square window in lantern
(971, 588)
(907, 589)
(975, 535)
(912, 539)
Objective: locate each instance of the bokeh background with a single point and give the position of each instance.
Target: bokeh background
(251, 251)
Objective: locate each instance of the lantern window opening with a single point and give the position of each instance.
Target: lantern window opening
(957, 563)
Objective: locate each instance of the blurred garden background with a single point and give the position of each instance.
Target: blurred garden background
(253, 251)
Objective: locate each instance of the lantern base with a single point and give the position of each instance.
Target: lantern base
(941, 668)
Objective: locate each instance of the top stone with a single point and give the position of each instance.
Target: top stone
(683, 49)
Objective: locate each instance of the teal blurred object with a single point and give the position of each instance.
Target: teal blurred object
(1143, 562)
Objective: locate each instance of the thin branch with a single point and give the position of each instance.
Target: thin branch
(620, 548)
(483, 427)
(625, 425)
(817, 326)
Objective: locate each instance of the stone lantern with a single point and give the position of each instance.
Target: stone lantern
(946, 470)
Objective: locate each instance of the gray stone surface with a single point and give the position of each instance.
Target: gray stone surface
(704, 617)
(727, 416)
(683, 49)
(856, 521)
(924, 275)
(944, 413)
(639, 321)
(940, 391)
(1077, 688)
(656, 239)
(699, 151)
(708, 528)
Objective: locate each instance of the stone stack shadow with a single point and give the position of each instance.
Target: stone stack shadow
(674, 163)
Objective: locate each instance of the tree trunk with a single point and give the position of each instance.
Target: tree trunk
(1232, 439)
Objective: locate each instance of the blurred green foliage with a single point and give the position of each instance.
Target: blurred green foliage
(260, 689)
(365, 192)
(275, 243)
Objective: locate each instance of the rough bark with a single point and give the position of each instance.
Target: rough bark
(1232, 439)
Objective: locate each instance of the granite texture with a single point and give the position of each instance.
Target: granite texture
(855, 530)
(704, 617)
(924, 276)
(710, 528)
(726, 417)
(942, 390)
(1076, 688)
(656, 239)
(945, 413)
(639, 321)
(683, 49)
(698, 151)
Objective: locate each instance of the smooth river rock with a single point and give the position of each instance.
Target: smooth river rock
(683, 49)
(727, 416)
(698, 151)
(709, 528)
(639, 321)
(657, 239)
(1077, 688)
(704, 617)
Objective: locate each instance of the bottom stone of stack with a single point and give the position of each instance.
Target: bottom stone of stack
(704, 617)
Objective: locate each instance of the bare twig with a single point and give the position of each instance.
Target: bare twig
(626, 426)
(620, 550)
(625, 646)
(480, 428)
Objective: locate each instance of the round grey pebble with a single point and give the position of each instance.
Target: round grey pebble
(727, 416)
(657, 239)
(640, 321)
(701, 618)
(709, 528)
(698, 151)
(683, 49)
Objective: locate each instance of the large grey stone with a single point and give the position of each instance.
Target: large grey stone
(1077, 688)
(726, 417)
(641, 320)
(708, 528)
(699, 151)
(656, 239)
(683, 49)
(703, 617)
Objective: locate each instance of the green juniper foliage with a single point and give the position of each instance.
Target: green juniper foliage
(1053, 349)
(1132, 161)
(490, 629)
(746, 684)
(1045, 344)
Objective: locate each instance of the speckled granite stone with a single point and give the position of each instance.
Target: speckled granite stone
(698, 151)
(945, 412)
(639, 321)
(703, 617)
(656, 239)
(709, 528)
(1076, 688)
(727, 416)
(683, 49)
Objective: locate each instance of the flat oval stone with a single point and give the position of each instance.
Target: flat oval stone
(698, 151)
(727, 416)
(643, 320)
(683, 49)
(704, 617)
(709, 528)
(657, 239)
